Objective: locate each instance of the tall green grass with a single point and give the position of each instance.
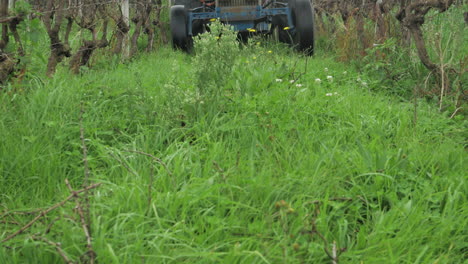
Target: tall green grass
(394, 63)
(253, 160)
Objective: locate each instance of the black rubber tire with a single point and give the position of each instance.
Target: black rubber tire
(303, 19)
(278, 25)
(198, 25)
(180, 38)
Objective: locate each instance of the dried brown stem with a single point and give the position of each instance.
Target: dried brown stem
(158, 160)
(48, 210)
(150, 187)
(57, 247)
(6, 20)
(338, 199)
(84, 149)
(86, 169)
(13, 25)
(9, 223)
(322, 237)
(91, 253)
(35, 211)
(67, 217)
(49, 227)
(455, 112)
(220, 170)
(123, 164)
(334, 255)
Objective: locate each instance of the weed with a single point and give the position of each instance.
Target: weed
(280, 164)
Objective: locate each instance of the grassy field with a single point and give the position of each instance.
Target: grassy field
(265, 157)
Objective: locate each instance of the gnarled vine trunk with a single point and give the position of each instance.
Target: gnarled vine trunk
(412, 18)
(87, 18)
(53, 16)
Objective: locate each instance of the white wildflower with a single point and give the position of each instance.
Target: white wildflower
(298, 85)
(291, 81)
(328, 94)
(318, 80)
(329, 77)
(279, 80)
(326, 69)
(364, 84)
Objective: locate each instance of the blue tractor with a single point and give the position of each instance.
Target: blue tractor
(288, 21)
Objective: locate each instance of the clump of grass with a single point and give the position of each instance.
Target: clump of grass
(289, 148)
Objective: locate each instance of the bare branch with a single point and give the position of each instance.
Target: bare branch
(91, 253)
(57, 247)
(48, 210)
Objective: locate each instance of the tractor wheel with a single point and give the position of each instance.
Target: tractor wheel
(180, 38)
(198, 26)
(303, 19)
(279, 34)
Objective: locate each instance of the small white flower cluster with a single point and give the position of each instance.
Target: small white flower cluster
(331, 94)
(329, 78)
(297, 85)
(363, 83)
(291, 82)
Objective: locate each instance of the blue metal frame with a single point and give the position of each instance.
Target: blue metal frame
(231, 18)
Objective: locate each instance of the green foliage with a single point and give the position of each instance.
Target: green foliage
(394, 63)
(393, 68)
(270, 149)
(216, 52)
(22, 7)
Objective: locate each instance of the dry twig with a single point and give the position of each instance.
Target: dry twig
(150, 187)
(57, 247)
(48, 210)
(220, 170)
(91, 253)
(35, 211)
(159, 161)
(338, 199)
(123, 164)
(86, 168)
(335, 252)
(334, 255)
(9, 223)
